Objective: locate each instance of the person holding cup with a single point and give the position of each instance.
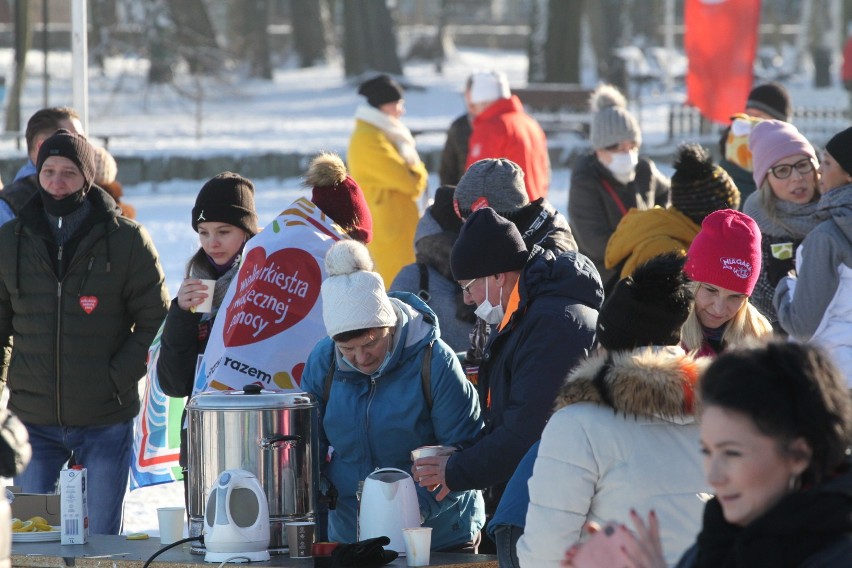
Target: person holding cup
(224, 217)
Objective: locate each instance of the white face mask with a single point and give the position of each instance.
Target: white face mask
(623, 165)
(487, 312)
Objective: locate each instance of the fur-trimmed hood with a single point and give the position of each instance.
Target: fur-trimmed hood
(650, 381)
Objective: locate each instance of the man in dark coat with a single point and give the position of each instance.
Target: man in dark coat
(82, 295)
(545, 310)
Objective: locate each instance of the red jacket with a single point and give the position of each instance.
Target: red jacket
(846, 70)
(504, 130)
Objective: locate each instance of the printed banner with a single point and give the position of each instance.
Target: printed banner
(271, 316)
(156, 441)
(720, 40)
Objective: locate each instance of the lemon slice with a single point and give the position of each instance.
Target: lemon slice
(17, 523)
(137, 536)
(43, 527)
(38, 520)
(28, 526)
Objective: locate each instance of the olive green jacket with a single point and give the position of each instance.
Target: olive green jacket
(75, 347)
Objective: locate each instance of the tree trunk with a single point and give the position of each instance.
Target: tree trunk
(23, 42)
(260, 65)
(369, 39)
(161, 49)
(554, 49)
(606, 26)
(311, 31)
(197, 38)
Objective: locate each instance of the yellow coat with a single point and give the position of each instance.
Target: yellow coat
(391, 188)
(642, 235)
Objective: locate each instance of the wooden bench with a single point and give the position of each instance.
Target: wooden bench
(558, 107)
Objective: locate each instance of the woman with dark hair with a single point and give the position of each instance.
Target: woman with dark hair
(775, 433)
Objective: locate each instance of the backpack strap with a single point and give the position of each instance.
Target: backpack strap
(329, 377)
(425, 376)
(423, 292)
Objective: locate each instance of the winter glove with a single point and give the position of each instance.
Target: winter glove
(364, 554)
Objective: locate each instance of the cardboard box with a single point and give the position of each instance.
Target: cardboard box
(27, 505)
(75, 510)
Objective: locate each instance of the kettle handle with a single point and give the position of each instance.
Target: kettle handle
(274, 441)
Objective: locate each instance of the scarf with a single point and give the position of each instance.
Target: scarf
(393, 129)
(835, 203)
(200, 267)
(800, 525)
(794, 220)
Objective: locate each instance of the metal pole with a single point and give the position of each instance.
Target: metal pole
(45, 46)
(669, 39)
(80, 62)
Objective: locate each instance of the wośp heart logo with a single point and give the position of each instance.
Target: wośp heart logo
(273, 294)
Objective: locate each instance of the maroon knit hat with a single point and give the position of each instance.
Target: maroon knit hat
(726, 252)
(339, 196)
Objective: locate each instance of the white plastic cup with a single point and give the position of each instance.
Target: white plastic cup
(207, 305)
(300, 538)
(417, 545)
(429, 451)
(171, 524)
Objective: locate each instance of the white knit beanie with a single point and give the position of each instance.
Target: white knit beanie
(353, 297)
(612, 123)
(486, 86)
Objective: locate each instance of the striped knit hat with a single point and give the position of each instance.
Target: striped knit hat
(700, 187)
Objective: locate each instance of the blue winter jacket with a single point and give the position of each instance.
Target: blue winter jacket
(526, 362)
(375, 421)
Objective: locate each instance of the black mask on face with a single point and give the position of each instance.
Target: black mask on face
(64, 206)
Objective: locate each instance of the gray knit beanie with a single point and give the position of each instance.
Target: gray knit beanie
(493, 182)
(612, 122)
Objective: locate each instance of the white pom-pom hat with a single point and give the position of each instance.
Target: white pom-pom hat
(353, 296)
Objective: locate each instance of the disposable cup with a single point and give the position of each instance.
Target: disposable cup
(207, 305)
(300, 538)
(171, 524)
(428, 451)
(417, 544)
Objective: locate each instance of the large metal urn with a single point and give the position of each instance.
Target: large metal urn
(272, 434)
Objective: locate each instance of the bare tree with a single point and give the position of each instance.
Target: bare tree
(197, 38)
(369, 38)
(23, 42)
(312, 32)
(554, 46)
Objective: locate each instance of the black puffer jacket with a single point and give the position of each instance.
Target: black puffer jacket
(80, 341)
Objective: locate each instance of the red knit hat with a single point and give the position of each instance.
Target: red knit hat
(339, 196)
(726, 252)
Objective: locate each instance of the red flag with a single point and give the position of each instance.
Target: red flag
(720, 40)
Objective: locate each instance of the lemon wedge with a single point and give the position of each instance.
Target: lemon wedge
(38, 520)
(43, 527)
(27, 526)
(17, 523)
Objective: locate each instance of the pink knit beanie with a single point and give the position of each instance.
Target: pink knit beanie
(726, 252)
(773, 140)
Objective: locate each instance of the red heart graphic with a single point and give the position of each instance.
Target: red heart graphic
(88, 303)
(273, 294)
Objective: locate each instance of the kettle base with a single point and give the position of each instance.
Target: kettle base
(237, 557)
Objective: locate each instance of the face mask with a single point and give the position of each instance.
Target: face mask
(623, 166)
(487, 312)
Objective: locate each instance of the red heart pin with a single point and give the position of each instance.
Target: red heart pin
(273, 294)
(88, 303)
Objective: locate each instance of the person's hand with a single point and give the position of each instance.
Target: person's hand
(589, 528)
(191, 293)
(649, 550)
(430, 472)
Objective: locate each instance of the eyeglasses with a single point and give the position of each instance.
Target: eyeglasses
(783, 171)
(466, 287)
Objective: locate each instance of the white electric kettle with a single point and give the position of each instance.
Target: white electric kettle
(388, 505)
(236, 519)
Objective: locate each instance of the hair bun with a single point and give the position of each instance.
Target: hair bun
(347, 256)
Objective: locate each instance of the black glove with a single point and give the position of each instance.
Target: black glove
(365, 553)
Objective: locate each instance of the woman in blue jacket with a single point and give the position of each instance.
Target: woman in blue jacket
(382, 401)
